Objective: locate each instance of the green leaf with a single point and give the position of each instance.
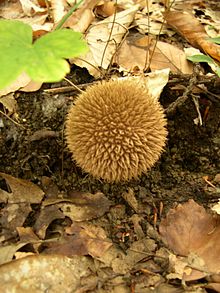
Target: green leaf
(63, 43)
(15, 41)
(44, 60)
(218, 71)
(215, 40)
(45, 66)
(200, 58)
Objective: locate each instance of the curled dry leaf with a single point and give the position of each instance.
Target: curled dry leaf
(190, 229)
(104, 38)
(44, 273)
(20, 191)
(191, 29)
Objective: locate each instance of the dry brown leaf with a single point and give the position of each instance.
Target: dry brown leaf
(32, 86)
(82, 17)
(13, 216)
(27, 235)
(44, 273)
(7, 252)
(45, 218)
(85, 206)
(86, 239)
(20, 82)
(9, 103)
(20, 191)
(105, 8)
(104, 38)
(169, 56)
(160, 55)
(190, 28)
(10, 9)
(190, 229)
(31, 7)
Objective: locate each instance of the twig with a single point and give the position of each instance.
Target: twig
(182, 99)
(16, 123)
(72, 84)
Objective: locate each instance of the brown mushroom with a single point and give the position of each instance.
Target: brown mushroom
(116, 130)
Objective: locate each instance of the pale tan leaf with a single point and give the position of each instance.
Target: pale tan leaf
(7, 252)
(156, 81)
(82, 17)
(58, 10)
(31, 7)
(216, 207)
(32, 86)
(42, 273)
(21, 81)
(103, 39)
(169, 56)
(160, 55)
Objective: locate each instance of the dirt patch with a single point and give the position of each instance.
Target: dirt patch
(35, 149)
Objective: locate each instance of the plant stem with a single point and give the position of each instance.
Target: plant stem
(66, 16)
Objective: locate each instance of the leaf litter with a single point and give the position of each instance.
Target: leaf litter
(60, 229)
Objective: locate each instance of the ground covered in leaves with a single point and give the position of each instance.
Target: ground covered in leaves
(60, 211)
(64, 231)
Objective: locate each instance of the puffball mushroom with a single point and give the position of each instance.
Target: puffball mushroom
(116, 130)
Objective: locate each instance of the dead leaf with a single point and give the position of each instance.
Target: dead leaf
(7, 253)
(105, 8)
(103, 39)
(190, 28)
(85, 206)
(216, 207)
(13, 216)
(45, 218)
(20, 191)
(26, 234)
(80, 20)
(42, 273)
(32, 86)
(160, 55)
(58, 10)
(130, 198)
(190, 229)
(20, 82)
(31, 7)
(83, 239)
(9, 103)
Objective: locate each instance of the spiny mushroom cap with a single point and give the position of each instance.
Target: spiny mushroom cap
(116, 130)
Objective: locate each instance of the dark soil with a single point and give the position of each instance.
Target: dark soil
(28, 150)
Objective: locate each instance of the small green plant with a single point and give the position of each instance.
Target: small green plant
(43, 60)
(207, 59)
